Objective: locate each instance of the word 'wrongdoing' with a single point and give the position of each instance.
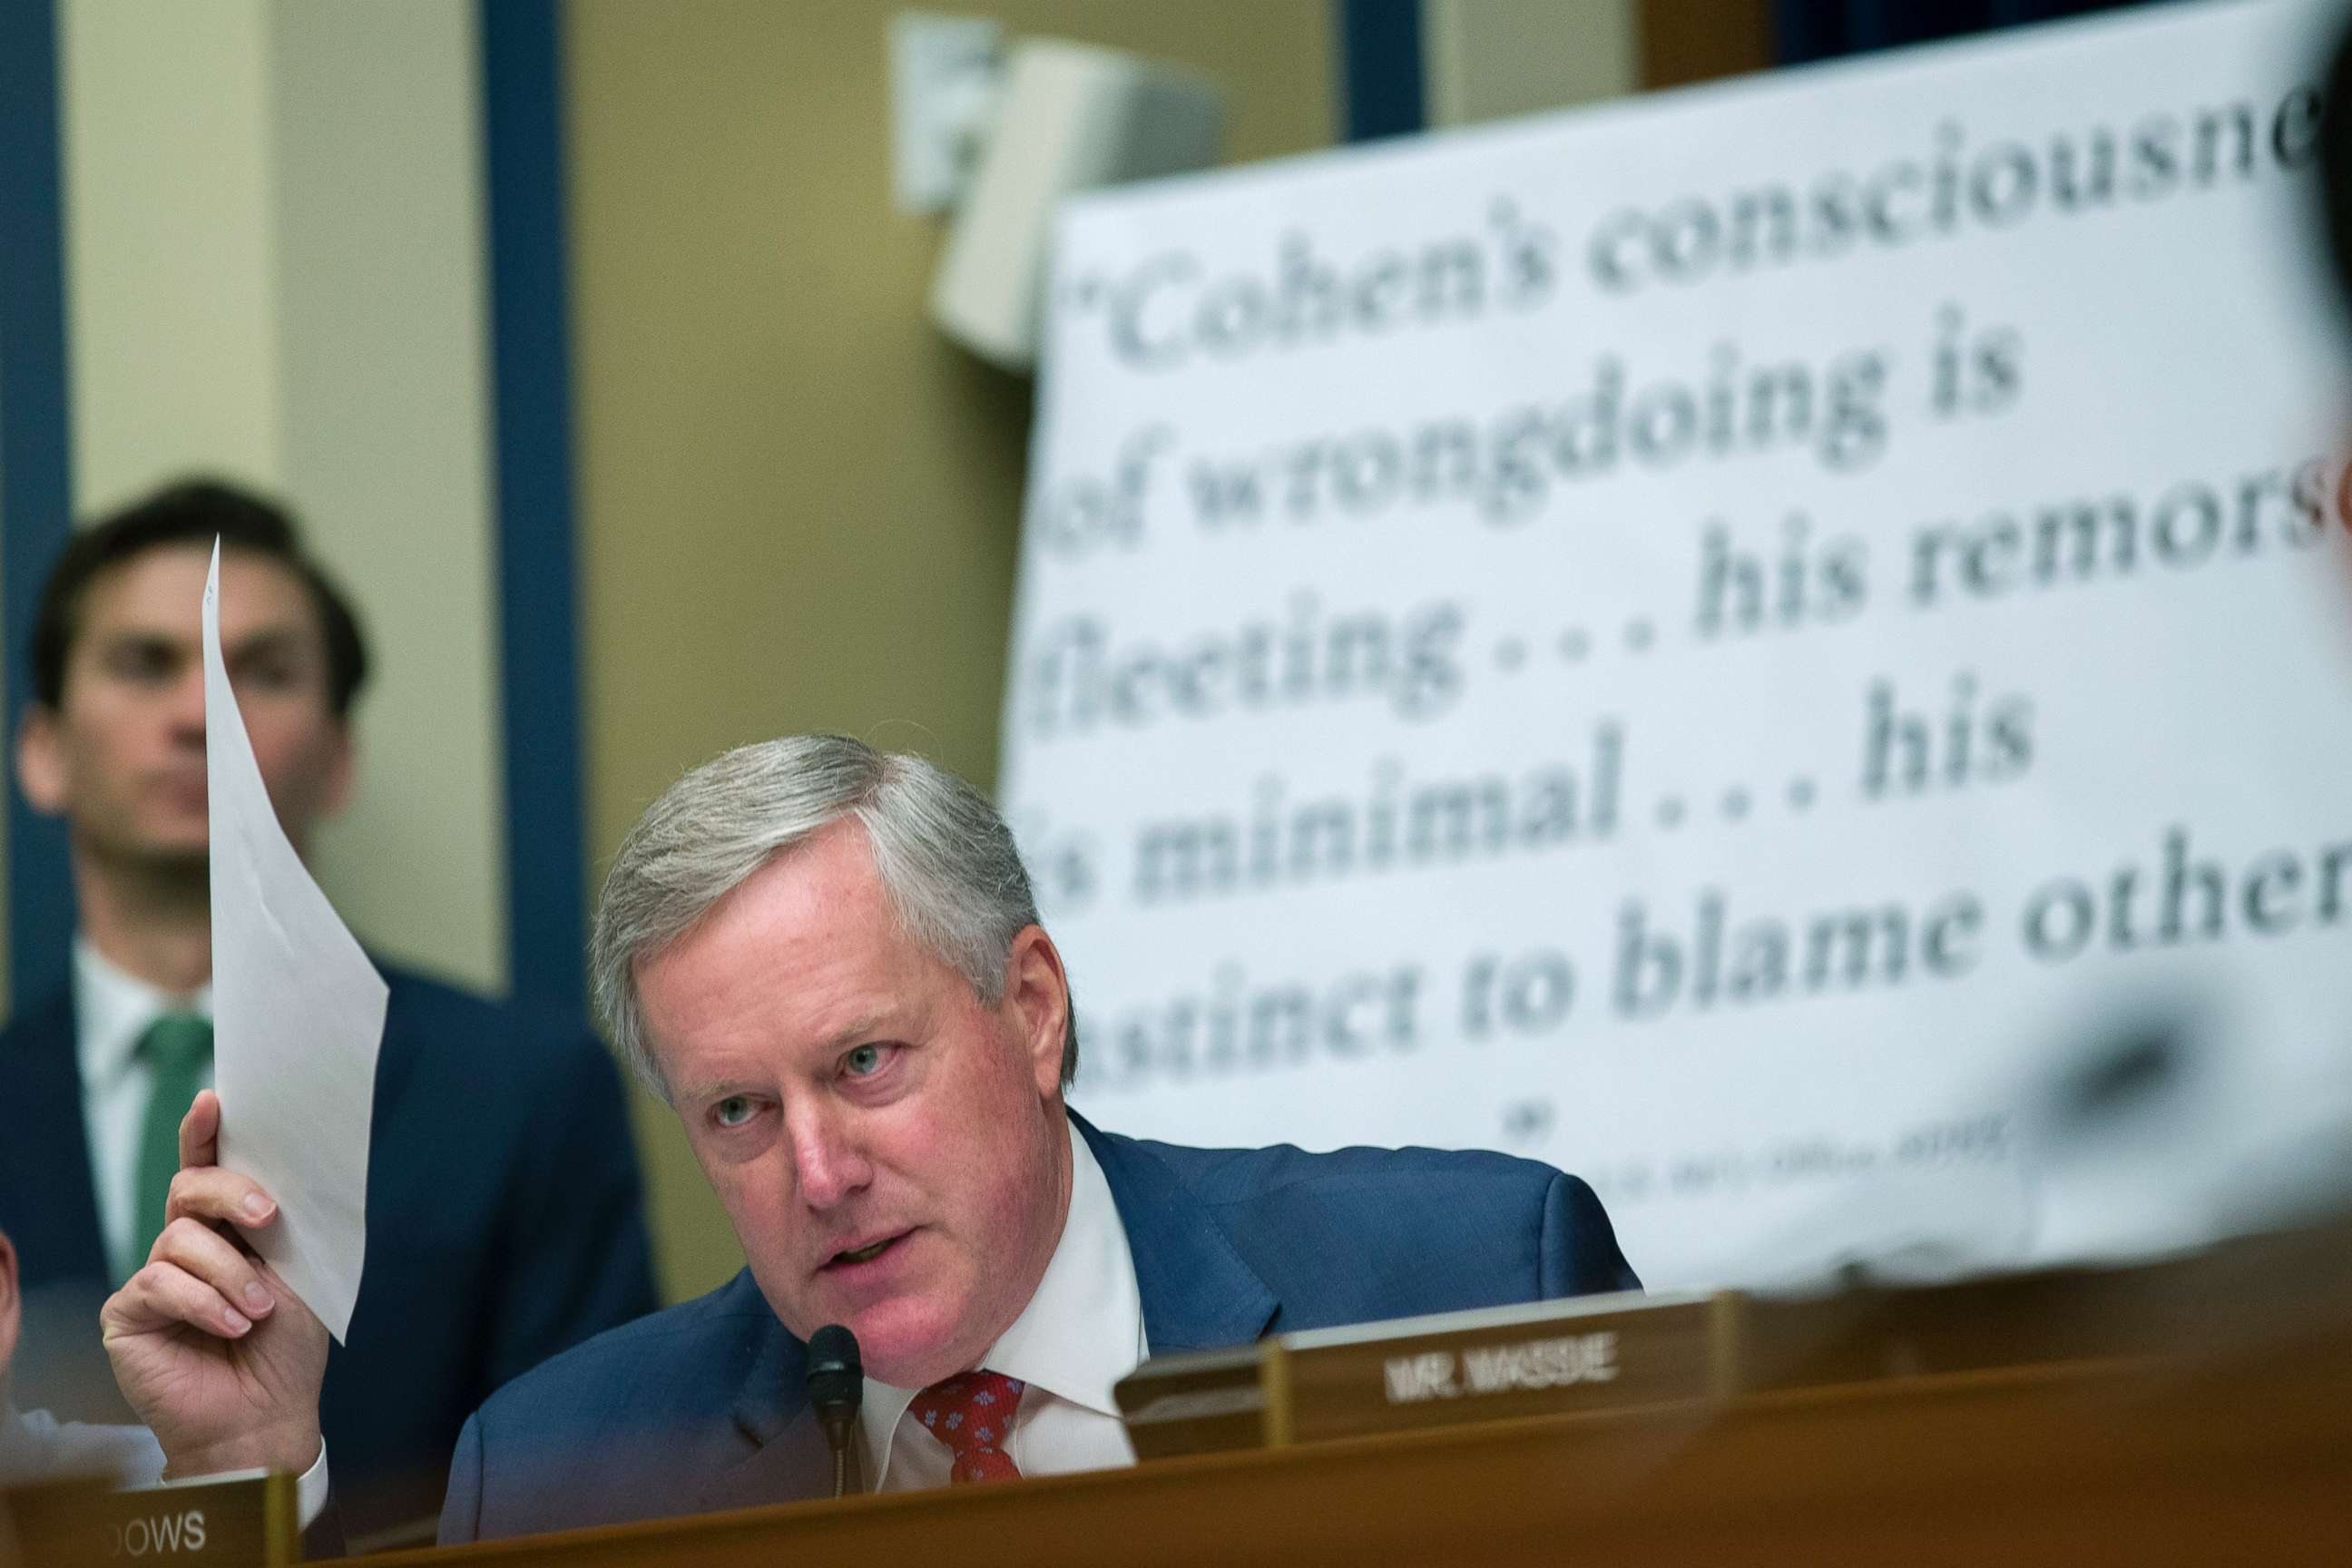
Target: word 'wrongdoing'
(1506, 465)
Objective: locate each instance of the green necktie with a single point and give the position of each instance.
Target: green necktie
(177, 1048)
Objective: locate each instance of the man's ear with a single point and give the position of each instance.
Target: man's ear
(40, 761)
(12, 1309)
(1037, 997)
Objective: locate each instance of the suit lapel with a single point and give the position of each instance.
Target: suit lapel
(1197, 1292)
(787, 1459)
(49, 1202)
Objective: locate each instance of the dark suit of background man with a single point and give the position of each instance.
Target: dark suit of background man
(503, 1206)
(828, 960)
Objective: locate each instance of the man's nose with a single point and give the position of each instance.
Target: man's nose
(187, 702)
(827, 1160)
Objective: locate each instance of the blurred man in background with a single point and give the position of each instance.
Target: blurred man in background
(504, 1217)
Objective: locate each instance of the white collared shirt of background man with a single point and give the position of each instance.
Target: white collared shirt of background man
(112, 1011)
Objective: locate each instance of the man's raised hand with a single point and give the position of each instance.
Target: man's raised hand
(212, 1349)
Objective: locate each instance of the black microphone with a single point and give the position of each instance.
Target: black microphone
(836, 1383)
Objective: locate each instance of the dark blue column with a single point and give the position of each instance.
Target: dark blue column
(530, 369)
(1381, 70)
(36, 475)
(1824, 29)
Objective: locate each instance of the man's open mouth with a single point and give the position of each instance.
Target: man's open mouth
(862, 1254)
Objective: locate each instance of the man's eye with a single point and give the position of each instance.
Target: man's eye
(272, 677)
(866, 1060)
(732, 1111)
(141, 662)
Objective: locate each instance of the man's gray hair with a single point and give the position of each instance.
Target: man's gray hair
(947, 862)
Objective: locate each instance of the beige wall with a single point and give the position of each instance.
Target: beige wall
(1491, 59)
(171, 269)
(799, 504)
(383, 366)
(274, 272)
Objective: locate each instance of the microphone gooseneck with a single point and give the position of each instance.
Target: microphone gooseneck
(836, 1384)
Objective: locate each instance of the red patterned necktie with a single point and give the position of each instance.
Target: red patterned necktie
(972, 1414)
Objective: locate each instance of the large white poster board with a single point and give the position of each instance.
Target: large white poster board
(1779, 646)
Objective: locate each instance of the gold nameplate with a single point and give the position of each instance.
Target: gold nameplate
(1595, 1352)
(242, 1520)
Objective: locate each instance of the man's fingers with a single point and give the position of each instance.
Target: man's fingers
(163, 1294)
(199, 1250)
(211, 1194)
(200, 1130)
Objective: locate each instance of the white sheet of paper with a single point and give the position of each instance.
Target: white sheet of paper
(297, 1017)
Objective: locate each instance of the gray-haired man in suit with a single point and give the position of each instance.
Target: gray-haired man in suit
(829, 963)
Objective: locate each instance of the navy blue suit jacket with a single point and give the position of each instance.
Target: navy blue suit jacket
(504, 1225)
(703, 1407)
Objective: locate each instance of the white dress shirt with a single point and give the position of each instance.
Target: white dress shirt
(111, 1011)
(1081, 1332)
